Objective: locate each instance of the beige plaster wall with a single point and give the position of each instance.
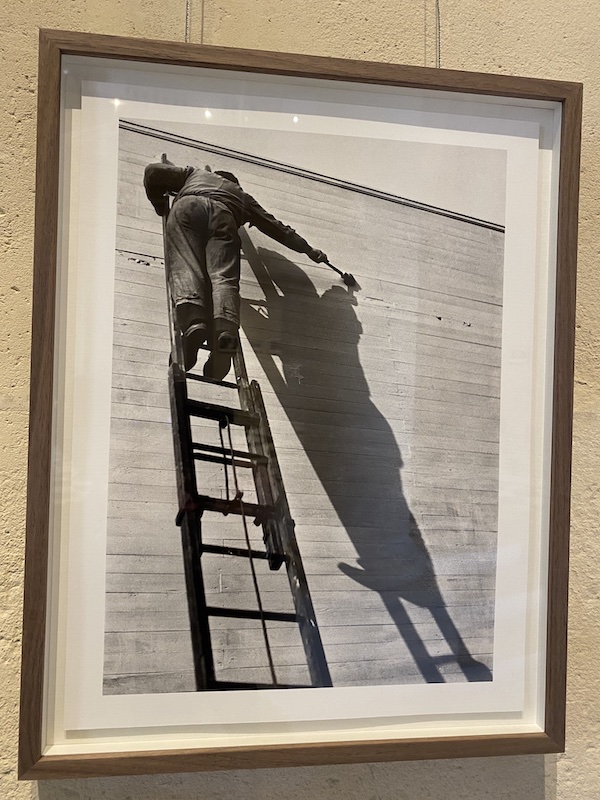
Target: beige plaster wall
(547, 38)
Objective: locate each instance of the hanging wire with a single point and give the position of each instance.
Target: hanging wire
(225, 470)
(188, 16)
(438, 35)
(239, 495)
(187, 20)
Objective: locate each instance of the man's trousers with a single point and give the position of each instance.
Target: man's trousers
(203, 258)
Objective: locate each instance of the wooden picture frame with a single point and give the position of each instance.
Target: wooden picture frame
(37, 758)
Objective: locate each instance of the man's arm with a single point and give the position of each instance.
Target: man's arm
(160, 180)
(275, 229)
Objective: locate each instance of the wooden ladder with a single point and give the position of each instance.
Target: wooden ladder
(271, 512)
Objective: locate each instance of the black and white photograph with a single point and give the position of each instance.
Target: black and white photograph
(301, 397)
(301, 405)
(305, 410)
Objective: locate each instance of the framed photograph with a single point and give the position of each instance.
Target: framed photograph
(301, 409)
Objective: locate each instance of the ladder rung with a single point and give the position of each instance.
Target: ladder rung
(203, 379)
(234, 551)
(213, 448)
(247, 613)
(221, 506)
(217, 685)
(211, 411)
(221, 460)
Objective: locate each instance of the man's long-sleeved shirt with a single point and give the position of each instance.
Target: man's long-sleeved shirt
(162, 178)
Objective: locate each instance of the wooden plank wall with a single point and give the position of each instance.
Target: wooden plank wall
(384, 406)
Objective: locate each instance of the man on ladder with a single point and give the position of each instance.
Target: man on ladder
(203, 254)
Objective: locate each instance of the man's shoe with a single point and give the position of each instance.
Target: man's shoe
(226, 335)
(193, 338)
(227, 342)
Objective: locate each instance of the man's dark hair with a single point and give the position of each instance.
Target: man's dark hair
(227, 175)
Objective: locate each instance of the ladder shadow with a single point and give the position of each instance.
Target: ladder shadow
(365, 489)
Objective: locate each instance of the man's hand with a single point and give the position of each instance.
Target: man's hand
(161, 205)
(318, 256)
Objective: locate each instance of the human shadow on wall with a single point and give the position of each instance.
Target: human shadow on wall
(351, 447)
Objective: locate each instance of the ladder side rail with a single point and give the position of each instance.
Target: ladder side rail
(264, 489)
(309, 631)
(307, 620)
(189, 516)
(191, 531)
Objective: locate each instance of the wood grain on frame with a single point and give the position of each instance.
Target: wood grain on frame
(40, 412)
(54, 44)
(562, 417)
